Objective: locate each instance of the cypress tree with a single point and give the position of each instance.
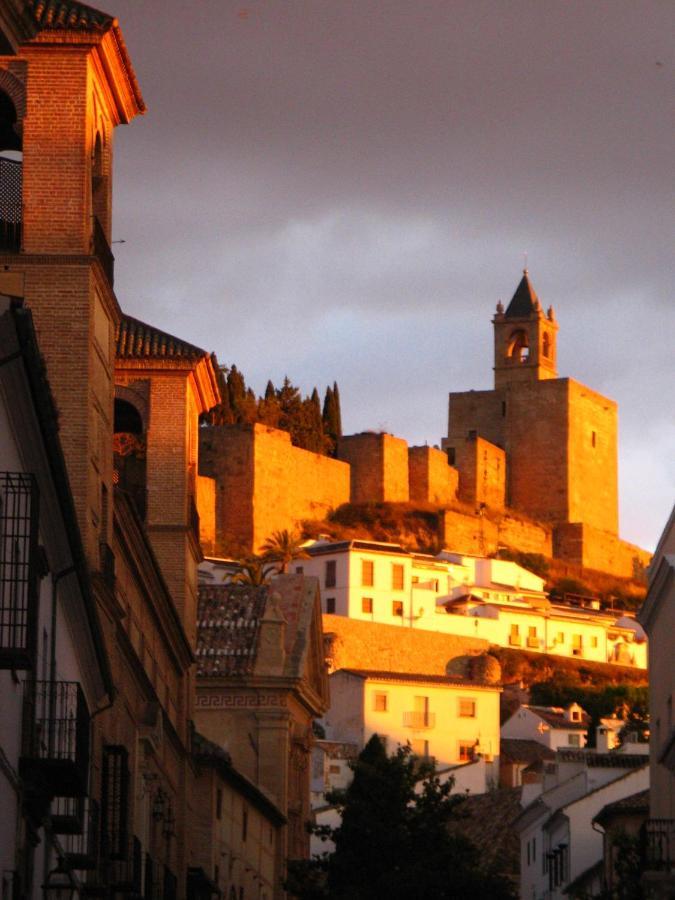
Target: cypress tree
(338, 413)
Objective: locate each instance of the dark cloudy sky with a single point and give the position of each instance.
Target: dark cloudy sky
(343, 189)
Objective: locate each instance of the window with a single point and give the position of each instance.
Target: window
(575, 715)
(299, 570)
(592, 439)
(467, 708)
(115, 800)
(219, 804)
(397, 608)
(451, 456)
(333, 770)
(560, 637)
(397, 577)
(574, 740)
(244, 824)
(367, 573)
(366, 604)
(473, 434)
(467, 751)
(594, 642)
(546, 345)
(577, 644)
(331, 566)
(18, 569)
(514, 636)
(330, 605)
(503, 407)
(486, 595)
(380, 701)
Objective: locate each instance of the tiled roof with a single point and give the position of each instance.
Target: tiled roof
(487, 820)
(138, 340)
(376, 675)
(68, 15)
(555, 717)
(516, 750)
(603, 760)
(228, 622)
(635, 803)
(524, 302)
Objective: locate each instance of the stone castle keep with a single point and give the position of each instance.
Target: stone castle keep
(531, 464)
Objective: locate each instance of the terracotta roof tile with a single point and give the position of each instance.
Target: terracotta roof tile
(228, 622)
(517, 750)
(635, 803)
(376, 675)
(138, 340)
(555, 717)
(487, 820)
(594, 760)
(68, 15)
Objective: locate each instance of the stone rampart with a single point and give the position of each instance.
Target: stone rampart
(379, 467)
(430, 478)
(353, 644)
(601, 550)
(468, 533)
(265, 484)
(482, 472)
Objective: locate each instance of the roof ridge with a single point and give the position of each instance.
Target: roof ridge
(135, 338)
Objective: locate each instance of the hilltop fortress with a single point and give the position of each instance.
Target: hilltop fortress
(530, 465)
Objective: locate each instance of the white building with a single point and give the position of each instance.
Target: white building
(557, 839)
(493, 599)
(54, 672)
(552, 726)
(658, 617)
(451, 720)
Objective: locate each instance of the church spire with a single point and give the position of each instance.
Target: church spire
(525, 301)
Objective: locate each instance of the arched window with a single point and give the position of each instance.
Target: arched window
(129, 454)
(518, 346)
(546, 345)
(10, 176)
(99, 182)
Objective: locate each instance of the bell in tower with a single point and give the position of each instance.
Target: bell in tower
(525, 338)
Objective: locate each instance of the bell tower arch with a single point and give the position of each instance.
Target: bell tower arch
(524, 338)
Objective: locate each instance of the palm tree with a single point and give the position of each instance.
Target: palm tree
(253, 572)
(283, 547)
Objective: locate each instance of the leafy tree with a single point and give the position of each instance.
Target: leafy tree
(282, 547)
(393, 840)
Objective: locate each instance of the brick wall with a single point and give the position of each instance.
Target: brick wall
(265, 484)
(379, 467)
(430, 478)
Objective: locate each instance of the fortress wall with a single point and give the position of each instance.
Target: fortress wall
(479, 411)
(206, 507)
(536, 446)
(226, 455)
(482, 472)
(479, 535)
(379, 467)
(292, 484)
(430, 478)
(351, 643)
(595, 549)
(592, 459)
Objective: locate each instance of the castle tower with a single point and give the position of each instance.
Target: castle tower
(66, 81)
(525, 338)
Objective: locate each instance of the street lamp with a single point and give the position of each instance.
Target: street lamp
(59, 884)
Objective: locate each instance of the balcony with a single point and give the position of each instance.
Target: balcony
(82, 849)
(515, 640)
(533, 642)
(658, 842)
(55, 757)
(11, 176)
(419, 720)
(102, 251)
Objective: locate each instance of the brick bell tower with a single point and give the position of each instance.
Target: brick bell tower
(525, 338)
(66, 82)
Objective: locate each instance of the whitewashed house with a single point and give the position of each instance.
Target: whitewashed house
(54, 672)
(552, 726)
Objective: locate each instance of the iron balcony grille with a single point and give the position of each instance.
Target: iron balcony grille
(55, 759)
(82, 848)
(10, 204)
(115, 801)
(419, 720)
(103, 252)
(19, 517)
(658, 839)
(125, 876)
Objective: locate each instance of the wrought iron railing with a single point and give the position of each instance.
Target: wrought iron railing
(82, 850)
(419, 720)
(658, 842)
(55, 754)
(19, 516)
(11, 206)
(103, 252)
